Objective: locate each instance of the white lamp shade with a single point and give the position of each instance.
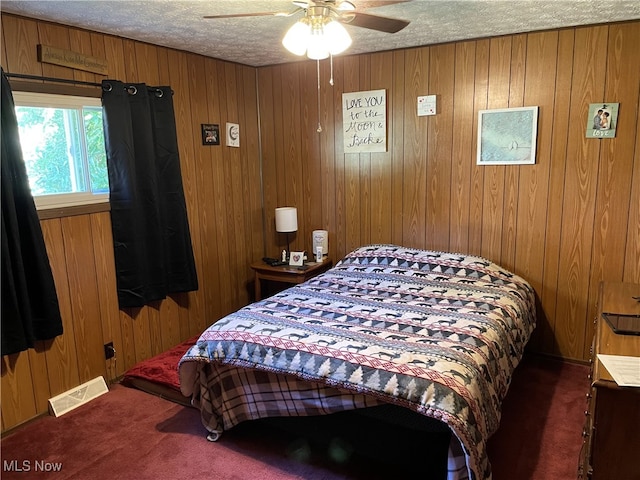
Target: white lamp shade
(318, 37)
(297, 38)
(286, 219)
(317, 48)
(337, 37)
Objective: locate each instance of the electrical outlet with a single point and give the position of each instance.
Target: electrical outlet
(109, 351)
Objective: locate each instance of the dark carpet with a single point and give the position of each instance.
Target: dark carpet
(127, 433)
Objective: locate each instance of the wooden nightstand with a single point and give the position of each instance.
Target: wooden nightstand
(287, 273)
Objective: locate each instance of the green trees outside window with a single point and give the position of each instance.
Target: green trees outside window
(62, 144)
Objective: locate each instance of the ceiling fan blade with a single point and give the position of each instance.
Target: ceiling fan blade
(362, 4)
(375, 22)
(234, 15)
(256, 14)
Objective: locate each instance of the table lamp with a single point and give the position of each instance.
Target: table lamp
(286, 222)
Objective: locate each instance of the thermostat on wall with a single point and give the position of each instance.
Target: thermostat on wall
(426, 105)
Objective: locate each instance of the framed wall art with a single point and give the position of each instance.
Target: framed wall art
(210, 134)
(233, 135)
(602, 120)
(507, 136)
(364, 121)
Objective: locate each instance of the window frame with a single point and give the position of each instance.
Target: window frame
(83, 202)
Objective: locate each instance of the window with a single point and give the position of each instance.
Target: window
(63, 148)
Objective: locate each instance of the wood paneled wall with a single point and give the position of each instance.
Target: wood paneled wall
(223, 203)
(565, 223)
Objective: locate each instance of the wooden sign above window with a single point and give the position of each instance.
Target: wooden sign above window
(67, 58)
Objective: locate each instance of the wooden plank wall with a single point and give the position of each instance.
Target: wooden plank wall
(223, 203)
(565, 224)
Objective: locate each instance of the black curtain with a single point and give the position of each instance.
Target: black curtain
(30, 309)
(152, 242)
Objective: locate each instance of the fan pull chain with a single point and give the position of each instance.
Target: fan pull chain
(331, 78)
(319, 129)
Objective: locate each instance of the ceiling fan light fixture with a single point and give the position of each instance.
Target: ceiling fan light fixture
(317, 47)
(317, 36)
(297, 37)
(336, 37)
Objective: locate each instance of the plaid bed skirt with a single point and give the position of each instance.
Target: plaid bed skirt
(228, 395)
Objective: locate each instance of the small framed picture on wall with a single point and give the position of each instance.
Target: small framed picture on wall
(602, 120)
(210, 134)
(233, 135)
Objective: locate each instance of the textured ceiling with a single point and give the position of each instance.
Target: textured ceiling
(256, 41)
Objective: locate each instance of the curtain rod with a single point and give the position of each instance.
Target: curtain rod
(131, 89)
(51, 79)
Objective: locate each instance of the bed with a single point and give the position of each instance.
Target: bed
(436, 333)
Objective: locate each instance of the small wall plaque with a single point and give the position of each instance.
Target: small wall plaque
(67, 58)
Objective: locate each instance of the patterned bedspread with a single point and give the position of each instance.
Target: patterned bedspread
(438, 333)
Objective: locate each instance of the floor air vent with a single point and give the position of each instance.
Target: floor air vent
(67, 401)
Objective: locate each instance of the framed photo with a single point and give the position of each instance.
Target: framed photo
(296, 258)
(210, 134)
(507, 136)
(602, 120)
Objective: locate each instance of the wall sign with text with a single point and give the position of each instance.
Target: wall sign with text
(68, 58)
(364, 121)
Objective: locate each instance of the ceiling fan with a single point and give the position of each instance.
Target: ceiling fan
(343, 11)
(319, 33)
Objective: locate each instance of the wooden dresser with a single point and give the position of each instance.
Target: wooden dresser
(611, 435)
